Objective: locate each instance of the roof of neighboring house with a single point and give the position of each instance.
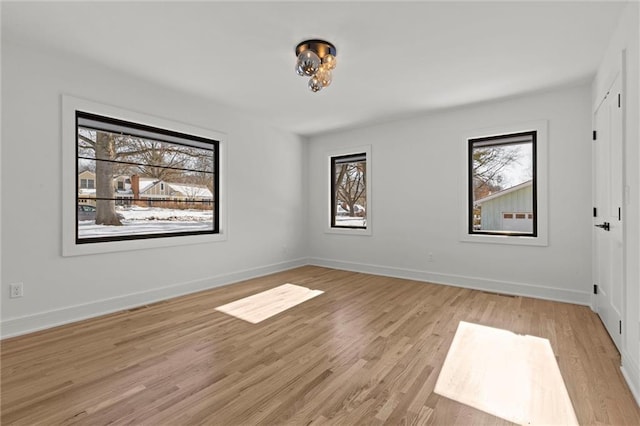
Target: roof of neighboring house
(146, 184)
(505, 192)
(191, 190)
(186, 190)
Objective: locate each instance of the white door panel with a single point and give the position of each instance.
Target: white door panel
(608, 195)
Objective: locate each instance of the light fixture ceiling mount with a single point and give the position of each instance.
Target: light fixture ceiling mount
(316, 59)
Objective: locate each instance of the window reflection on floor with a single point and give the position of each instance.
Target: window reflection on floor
(508, 375)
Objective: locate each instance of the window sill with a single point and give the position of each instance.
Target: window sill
(505, 239)
(348, 231)
(71, 249)
(70, 105)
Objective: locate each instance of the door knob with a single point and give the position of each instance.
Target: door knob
(606, 226)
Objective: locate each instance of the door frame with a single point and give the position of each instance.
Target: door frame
(617, 73)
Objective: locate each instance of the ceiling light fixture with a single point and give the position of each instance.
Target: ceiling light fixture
(316, 59)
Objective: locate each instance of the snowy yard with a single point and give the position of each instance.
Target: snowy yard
(350, 221)
(150, 220)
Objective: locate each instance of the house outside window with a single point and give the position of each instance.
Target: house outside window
(87, 183)
(146, 156)
(195, 170)
(502, 186)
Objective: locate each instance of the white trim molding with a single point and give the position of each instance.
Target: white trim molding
(631, 373)
(542, 184)
(497, 286)
(70, 105)
(30, 323)
(366, 149)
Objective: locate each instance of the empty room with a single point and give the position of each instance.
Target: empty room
(301, 213)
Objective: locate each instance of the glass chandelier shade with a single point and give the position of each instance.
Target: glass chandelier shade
(308, 63)
(316, 59)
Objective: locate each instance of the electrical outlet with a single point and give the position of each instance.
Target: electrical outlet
(430, 257)
(15, 290)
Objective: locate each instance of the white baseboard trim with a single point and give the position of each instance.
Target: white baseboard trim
(27, 324)
(631, 374)
(505, 287)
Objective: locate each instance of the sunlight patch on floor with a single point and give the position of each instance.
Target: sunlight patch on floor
(260, 306)
(511, 376)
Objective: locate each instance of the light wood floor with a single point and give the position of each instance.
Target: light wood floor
(367, 351)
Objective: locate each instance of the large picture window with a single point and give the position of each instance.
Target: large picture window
(502, 187)
(135, 181)
(349, 191)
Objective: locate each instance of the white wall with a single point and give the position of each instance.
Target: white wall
(626, 38)
(266, 207)
(417, 200)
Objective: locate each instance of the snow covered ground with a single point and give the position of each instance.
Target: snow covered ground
(137, 213)
(154, 220)
(350, 221)
(150, 220)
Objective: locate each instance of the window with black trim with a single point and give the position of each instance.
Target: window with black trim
(502, 185)
(349, 191)
(143, 182)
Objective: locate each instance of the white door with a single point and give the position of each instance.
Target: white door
(607, 195)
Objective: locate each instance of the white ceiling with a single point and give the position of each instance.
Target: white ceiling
(394, 58)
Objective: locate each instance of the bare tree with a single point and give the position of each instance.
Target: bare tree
(158, 160)
(489, 164)
(351, 184)
(204, 175)
(117, 154)
(104, 146)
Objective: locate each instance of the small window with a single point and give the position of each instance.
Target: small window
(143, 154)
(87, 183)
(349, 191)
(502, 177)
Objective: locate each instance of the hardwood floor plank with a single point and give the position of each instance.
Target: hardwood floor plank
(367, 351)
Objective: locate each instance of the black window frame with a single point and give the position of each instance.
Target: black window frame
(332, 173)
(534, 152)
(160, 135)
